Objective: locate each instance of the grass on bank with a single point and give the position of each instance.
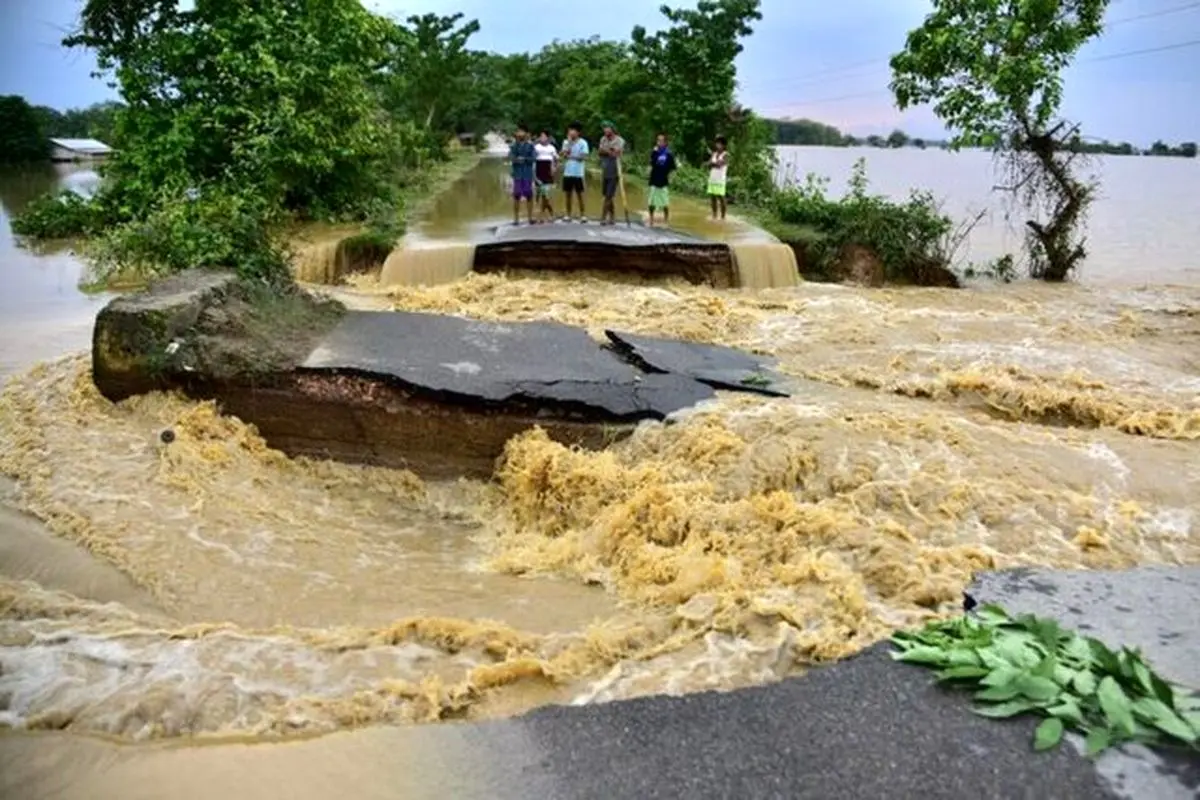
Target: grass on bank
(217, 226)
(1031, 665)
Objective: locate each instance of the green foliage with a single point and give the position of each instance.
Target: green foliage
(61, 216)
(690, 65)
(984, 63)
(806, 132)
(429, 76)
(277, 99)
(211, 228)
(22, 136)
(1030, 665)
(907, 237)
(1002, 269)
(97, 121)
(992, 69)
(1184, 150)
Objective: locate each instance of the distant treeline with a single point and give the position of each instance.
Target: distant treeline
(1159, 148)
(811, 132)
(26, 130)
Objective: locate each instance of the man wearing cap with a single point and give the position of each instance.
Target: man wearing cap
(610, 149)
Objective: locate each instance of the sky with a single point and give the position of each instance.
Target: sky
(823, 61)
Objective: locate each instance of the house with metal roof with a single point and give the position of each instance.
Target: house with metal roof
(79, 150)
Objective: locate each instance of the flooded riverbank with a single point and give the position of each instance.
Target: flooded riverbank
(217, 589)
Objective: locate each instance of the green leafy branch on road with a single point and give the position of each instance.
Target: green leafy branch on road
(1032, 665)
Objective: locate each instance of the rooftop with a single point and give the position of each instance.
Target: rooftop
(82, 145)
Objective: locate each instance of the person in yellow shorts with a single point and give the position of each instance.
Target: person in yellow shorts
(662, 164)
(718, 165)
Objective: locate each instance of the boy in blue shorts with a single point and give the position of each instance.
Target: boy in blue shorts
(522, 155)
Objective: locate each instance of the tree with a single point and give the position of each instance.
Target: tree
(593, 80)
(1160, 148)
(1188, 149)
(691, 66)
(897, 138)
(430, 73)
(806, 132)
(276, 100)
(875, 141)
(918, 143)
(993, 71)
(22, 138)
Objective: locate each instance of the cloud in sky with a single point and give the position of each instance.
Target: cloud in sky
(826, 61)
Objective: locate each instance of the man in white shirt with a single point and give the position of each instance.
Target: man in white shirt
(546, 166)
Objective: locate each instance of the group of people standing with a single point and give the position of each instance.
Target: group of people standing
(535, 167)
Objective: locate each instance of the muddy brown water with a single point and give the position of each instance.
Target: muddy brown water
(156, 598)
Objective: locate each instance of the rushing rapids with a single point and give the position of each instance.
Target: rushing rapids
(231, 591)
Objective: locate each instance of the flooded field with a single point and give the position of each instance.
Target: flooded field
(214, 588)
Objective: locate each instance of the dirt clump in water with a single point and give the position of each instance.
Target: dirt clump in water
(208, 326)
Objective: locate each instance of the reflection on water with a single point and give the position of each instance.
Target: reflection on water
(42, 312)
(213, 587)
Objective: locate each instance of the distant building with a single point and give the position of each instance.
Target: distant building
(79, 150)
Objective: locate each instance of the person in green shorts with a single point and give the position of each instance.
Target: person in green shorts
(718, 164)
(662, 164)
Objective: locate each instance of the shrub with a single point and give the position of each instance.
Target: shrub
(210, 228)
(61, 216)
(908, 237)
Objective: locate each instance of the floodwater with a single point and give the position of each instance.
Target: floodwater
(440, 247)
(152, 594)
(482, 199)
(1143, 227)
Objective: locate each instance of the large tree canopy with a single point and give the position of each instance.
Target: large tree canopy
(279, 95)
(22, 134)
(993, 71)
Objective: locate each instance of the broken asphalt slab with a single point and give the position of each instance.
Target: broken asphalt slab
(718, 366)
(542, 364)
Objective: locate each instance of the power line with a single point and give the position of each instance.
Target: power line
(1152, 14)
(879, 92)
(819, 75)
(1114, 56)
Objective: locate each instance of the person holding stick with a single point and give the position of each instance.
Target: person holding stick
(611, 147)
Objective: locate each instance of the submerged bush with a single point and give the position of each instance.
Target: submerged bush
(61, 216)
(210, 228)
(908, 237)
